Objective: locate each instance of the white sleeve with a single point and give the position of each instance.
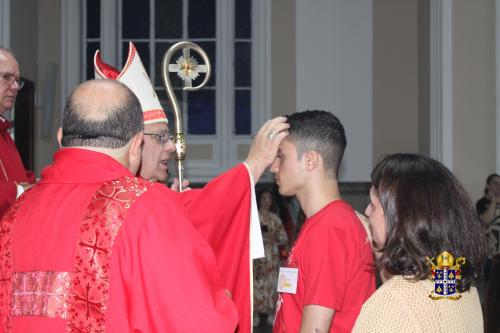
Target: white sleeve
(20, 190)
(256, 244)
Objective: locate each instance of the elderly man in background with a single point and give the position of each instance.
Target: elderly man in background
(13, 176)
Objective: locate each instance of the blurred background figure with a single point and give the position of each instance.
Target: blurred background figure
(488, 210)
(292, 217)
(488, 207)
(266, 269)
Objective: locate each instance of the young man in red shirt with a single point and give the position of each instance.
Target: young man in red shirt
(329, 271)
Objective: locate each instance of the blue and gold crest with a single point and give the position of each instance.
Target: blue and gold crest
(445, 275)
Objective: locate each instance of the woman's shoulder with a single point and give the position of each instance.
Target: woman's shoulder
(385, 310)
(401, 303)
(388, 295)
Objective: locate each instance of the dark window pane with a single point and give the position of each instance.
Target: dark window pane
(135, 19)
(201, 19)
(93, 18)
(242, 63)
(142, 49)
(243, 18)
(168, 18)
(160, 50)
(201, 112)
(242, 112)
(91, 48)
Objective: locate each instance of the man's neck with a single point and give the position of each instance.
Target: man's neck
(119, 154)
(317, 194)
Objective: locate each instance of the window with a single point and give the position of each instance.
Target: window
(220, 119)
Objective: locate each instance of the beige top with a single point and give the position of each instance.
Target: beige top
(401, 305)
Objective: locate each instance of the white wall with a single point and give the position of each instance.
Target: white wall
(474, 126)
(334, 72)
(396, 79)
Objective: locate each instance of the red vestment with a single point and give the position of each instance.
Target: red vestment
(11, 169)
(221, 213)
(163, 275)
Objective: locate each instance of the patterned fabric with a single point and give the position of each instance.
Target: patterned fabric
(6, 261)
(40, 294)
(266, 269)
(91, 275)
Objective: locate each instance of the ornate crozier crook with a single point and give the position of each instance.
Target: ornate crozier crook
(188, 69)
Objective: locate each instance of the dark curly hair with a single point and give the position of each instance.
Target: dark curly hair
(427, 211)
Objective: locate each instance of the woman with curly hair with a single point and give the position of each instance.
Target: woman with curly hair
(266, 269)
(418, 210)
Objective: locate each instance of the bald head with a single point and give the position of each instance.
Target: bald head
(97, 100)
(5, 53)
(101, 113)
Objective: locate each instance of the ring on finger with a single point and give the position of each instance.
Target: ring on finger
(272, 134)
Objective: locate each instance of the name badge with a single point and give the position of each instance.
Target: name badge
(287, 281)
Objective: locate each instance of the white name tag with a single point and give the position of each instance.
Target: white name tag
(287, 281)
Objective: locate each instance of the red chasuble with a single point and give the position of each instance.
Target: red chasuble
(87, 219)
(11, 169)
(221, 212)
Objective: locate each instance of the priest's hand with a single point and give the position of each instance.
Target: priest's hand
(265, 146)
(175, 185)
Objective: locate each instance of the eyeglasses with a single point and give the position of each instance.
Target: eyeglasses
(11, 78)
(162, 138)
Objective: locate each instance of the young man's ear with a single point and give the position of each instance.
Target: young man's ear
(311, 160)
(135, 153)
(59, 136)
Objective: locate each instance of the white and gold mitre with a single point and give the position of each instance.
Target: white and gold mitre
(134, 76)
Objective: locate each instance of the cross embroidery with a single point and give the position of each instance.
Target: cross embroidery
(94, 247)
(88, 303)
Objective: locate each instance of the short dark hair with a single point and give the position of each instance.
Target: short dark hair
(121, 123)
(319, 131)
(427, 211)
